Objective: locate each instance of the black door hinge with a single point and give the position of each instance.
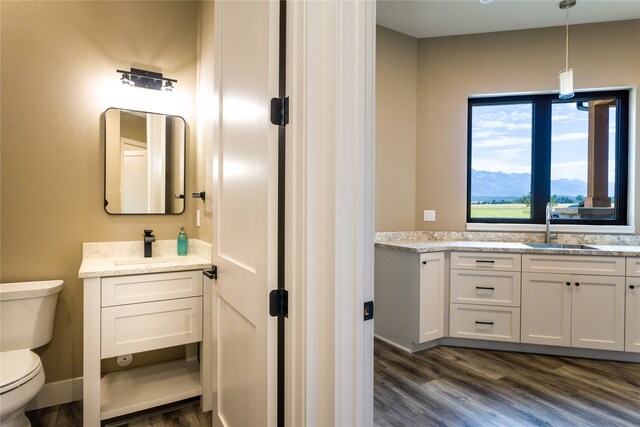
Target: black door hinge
(279, 303)
(280, 111)
(368, 310)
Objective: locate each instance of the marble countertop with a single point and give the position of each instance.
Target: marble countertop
(421, 246)
(104, 259)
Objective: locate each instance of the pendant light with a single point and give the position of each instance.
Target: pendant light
(566, 76)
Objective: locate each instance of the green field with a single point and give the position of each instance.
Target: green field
(518, 210)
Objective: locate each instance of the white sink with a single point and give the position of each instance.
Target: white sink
(139, 261)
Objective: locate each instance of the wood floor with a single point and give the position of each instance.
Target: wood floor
(186, 413)
(447, 386)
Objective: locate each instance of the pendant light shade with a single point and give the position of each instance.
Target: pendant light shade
(566, 84)
(566, 76)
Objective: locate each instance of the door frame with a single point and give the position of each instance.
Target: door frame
(330, 211)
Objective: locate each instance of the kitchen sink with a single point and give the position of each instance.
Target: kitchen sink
(559, 246)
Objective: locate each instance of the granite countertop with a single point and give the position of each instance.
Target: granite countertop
(422, 246)
(104, 259)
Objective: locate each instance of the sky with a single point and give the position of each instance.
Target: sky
(501, 138)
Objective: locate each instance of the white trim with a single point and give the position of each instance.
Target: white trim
(563, 228)
(332, 192)
(57, 393)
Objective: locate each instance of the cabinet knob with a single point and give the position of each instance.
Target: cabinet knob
(632, 286)
(577, 284)
(568, 283)
(424, 262)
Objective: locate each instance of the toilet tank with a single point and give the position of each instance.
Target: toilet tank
(27, 312)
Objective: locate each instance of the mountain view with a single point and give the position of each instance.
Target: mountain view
(509, 186)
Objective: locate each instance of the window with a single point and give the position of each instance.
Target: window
(526, 151)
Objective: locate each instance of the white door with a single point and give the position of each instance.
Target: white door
(546, 309)
(632, 318)
(245, 211)
(597, 312)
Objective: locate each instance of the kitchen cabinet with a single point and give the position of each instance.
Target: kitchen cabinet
(135, 313)
(632, 299)
(409, 297)
(485, 296)
(578, 310)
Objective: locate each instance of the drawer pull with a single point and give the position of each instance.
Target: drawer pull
(577, 284)
(486, 261)
(483, 323)
(632, 286)
(424, 262)
(486, 288)
(568, 283)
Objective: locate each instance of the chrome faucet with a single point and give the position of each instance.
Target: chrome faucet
(149, 238)
(549, 218)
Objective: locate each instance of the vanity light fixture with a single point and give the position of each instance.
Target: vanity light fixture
(147, 79)
(566, 76)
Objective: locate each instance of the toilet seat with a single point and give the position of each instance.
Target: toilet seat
(17, 367)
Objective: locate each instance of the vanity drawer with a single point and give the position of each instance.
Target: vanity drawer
(147, 326)
(485, 287)
(150, 287)
(486, 261)
(574, 264)
(485, 322)
(633, 267)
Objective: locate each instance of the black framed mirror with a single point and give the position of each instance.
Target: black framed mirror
(145, 164)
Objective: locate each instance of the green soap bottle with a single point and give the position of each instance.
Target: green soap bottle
(183, 242)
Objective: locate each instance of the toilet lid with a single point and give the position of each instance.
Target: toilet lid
(17, 367)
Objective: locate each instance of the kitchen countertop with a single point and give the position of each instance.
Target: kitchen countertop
(422, 246)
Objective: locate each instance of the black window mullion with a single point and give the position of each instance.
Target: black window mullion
(541, 159)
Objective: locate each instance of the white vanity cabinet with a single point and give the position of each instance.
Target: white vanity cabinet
(409, 296)
(632, 298)
(135, 313)
(485, 296)
(575, 301)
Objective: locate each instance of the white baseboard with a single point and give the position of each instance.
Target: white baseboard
(57, 393)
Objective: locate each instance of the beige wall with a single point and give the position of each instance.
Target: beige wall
(58, 76)
(396, 74)
(205, 119)
(452, 68)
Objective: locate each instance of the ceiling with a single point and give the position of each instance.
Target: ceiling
(437, 18)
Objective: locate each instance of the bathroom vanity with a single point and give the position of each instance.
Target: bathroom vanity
(134, 304)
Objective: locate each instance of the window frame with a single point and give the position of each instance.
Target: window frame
(541, 154)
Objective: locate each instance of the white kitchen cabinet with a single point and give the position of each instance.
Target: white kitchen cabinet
(484, 296)
(409, 297)
(632, 299)
(577, 310)
(135, 313)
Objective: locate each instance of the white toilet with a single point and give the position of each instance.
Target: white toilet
(27, 312)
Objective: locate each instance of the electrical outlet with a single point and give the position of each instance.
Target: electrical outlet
(429, 216)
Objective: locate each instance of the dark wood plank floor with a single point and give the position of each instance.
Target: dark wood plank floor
(447, 386)
(186, 413)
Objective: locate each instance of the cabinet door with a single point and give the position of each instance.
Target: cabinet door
(431, 296)
(546, 309)
(597, 312)
(632, 318)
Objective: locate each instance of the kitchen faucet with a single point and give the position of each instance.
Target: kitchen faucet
(549, 217)
(149, 238)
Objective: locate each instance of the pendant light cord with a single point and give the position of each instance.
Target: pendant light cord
(566, 66)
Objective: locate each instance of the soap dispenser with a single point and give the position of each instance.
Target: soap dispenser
(183, 242)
